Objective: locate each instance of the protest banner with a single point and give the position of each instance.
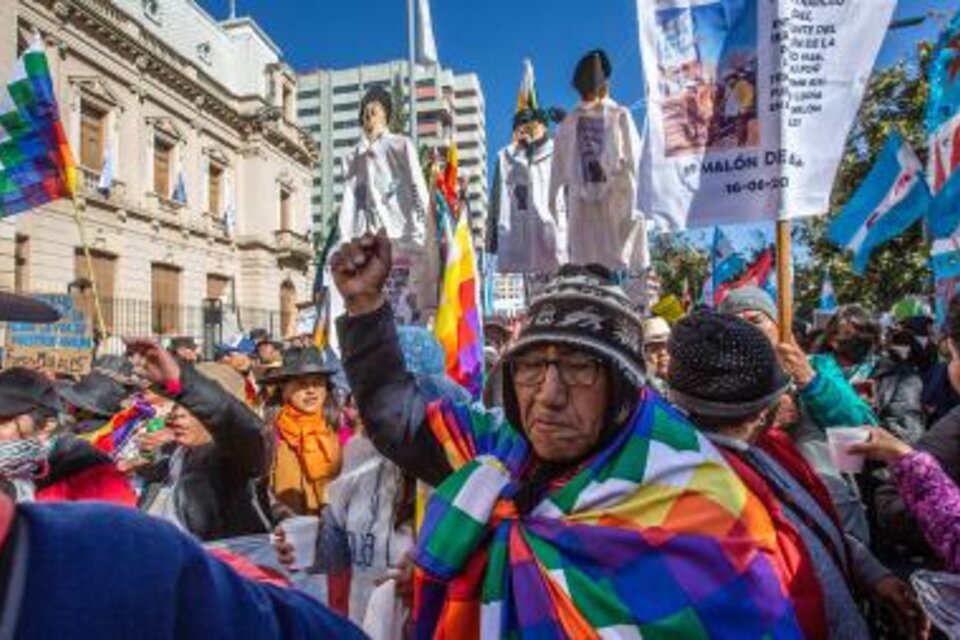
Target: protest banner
(63, 347)
(749, 104)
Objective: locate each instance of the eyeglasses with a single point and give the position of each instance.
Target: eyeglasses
(574, 372)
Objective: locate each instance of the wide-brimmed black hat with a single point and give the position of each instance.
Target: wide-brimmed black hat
(97, 393)
(14, 308)
(24, 390)
(299, 362)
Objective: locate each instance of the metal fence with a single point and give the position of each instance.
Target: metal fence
(210, 323)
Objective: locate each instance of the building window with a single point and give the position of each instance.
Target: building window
(21, 277)
(345, 89)
(347, 106)
(346, 124)
(306, 113)
(347, 142)
(466, 111)
(162, 161)
(286, 210)
(218, 286)
(309, 94)
(165, 293)
(93, 126)
(466, 128)
(105, 272)
(214, 189)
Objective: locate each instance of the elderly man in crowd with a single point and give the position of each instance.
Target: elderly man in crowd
(588, 504)
(725, 374)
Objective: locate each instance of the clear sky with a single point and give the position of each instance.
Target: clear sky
(491, 38)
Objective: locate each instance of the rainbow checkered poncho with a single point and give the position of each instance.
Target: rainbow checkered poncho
(655, 537)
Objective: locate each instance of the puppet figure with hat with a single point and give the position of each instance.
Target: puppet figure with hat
(385, 187)
(528, 233)
(595, 161)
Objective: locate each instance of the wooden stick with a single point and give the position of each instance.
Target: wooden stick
(784, 281)
(98, 310)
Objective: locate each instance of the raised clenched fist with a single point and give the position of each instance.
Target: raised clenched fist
(360, 269)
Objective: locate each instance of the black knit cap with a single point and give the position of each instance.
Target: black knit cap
(378, 94)
(582, 309)
(592, 72)
(723, 367)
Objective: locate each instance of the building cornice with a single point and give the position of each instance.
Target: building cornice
(103, 22)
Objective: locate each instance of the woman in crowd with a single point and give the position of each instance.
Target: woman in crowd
(307, 454)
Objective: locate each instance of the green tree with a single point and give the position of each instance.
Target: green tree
(677, 262)
(894, 101)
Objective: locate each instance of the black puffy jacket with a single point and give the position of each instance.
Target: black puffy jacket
(217, 492)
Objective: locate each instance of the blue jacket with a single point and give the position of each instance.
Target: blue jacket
(93, 571)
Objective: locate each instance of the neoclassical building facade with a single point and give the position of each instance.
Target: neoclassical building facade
(195, 178)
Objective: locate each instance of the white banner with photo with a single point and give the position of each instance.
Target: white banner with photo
(750, 103)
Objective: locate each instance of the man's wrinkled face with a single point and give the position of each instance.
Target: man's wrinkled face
(562, 395)
(187, 430)
(306, 394)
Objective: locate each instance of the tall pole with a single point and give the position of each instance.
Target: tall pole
(412, 36)
(784, 281)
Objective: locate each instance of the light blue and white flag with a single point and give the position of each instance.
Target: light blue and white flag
(180, 190)
(893, 196)
(105, 183)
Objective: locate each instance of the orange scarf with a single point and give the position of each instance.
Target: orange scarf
(314, 442)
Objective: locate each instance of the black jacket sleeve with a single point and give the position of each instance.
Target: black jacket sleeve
(392, 407)
(235, 428)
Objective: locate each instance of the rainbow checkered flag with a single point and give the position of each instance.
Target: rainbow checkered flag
(36, 164)
(458, 327)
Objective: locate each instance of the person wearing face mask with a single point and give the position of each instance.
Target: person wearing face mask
(307, 453)
(524, 233)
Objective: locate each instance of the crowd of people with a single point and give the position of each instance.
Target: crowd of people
(624, 473)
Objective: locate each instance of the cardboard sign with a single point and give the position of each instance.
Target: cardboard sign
(63, 347)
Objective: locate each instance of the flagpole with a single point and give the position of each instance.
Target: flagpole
(412, 36)
(784, 281)
(98, 310)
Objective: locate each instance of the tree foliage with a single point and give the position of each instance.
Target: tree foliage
(678, 262)
(894, 100)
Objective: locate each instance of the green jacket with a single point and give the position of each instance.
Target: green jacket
(830, 401)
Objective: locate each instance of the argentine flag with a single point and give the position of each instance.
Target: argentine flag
(893, 196)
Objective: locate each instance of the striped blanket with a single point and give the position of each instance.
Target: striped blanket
(654, 537)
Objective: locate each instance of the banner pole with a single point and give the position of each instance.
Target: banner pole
(98, 310)
(784, 281)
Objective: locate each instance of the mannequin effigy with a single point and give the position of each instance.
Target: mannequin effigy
(595, 162)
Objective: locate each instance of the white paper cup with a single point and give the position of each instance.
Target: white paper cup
(839, 439)
(301, 532)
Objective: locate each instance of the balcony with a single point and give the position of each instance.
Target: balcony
(89, 187)
(293, 246)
